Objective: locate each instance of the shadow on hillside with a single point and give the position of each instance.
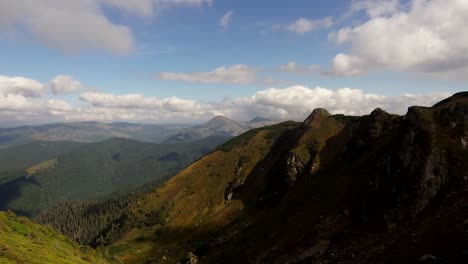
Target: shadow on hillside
(11, 190)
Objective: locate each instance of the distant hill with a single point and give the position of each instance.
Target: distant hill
(218, 125)
(259, 119)
(24, 156)
(87, 132)
(97, 170)
(22, 241)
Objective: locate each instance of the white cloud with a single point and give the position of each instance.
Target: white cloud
(137, 107)
(20, 86)
(304, 25)
(348, 65)
(235, 74)
(426, 36)
(71, 25)
(64, 84)
(147, 8)
(76, 25)
(226, 19)
(15, 102)
(23, 104)
(297, 102)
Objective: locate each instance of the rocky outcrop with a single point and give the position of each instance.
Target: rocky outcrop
(294, 166)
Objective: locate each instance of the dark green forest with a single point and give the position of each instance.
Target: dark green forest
(97, 171)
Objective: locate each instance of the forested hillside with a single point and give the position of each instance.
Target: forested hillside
(97, 171)
(19, 157)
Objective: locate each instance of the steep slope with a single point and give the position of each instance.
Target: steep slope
(197, 201)
(23, 156)
(22, 241)
(97, 170)
(336, 189)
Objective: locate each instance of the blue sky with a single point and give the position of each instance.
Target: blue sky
(185, 38)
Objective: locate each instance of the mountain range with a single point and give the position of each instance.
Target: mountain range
(378, 188)
(157, 133)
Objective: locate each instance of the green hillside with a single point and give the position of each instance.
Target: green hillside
(22, 241)
(24, 156)
(97, 170)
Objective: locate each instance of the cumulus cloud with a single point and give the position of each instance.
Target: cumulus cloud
(64, 84)
(138, 101)
(226, 19)
(68, 25)
(147, 8)
(425, 36)
(20, 86)
(295, 102)
(23, 104)
(304, 25)
(76, 25)
(235, 74)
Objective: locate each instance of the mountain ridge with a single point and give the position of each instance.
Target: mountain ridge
(291, 196)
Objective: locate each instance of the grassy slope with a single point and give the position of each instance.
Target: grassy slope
(194, 201)
(22, 241)
(97, 170)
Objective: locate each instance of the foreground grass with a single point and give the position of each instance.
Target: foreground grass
(22, 241)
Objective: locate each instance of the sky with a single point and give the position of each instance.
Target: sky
(179, 61)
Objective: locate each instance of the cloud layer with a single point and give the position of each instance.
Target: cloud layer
(76, 25)
(26, 101)
(425, 36)
(235, 74)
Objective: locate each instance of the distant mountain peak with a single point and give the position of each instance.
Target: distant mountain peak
(220, 120)
(258, 119)
(220, 117)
